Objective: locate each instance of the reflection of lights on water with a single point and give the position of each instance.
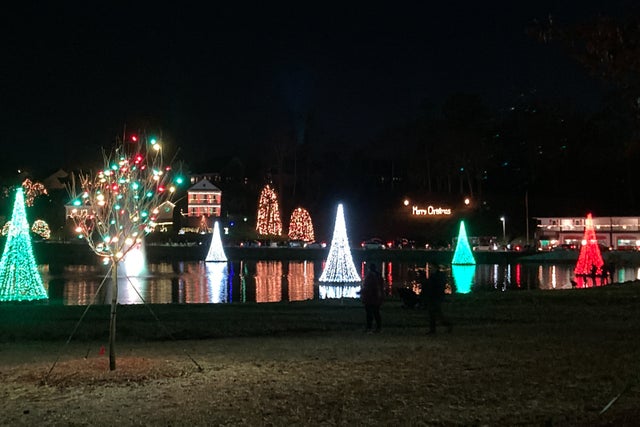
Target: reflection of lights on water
(338, 291)
(638, 274)
(134, 263)
(268, 281)
(554, 280)
(463, 277)
(217, 280)
(495, 276)
(540, 276)
(301, 280)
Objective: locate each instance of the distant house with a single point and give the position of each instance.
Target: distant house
(204, 199)
(204, 202)
(165, 215)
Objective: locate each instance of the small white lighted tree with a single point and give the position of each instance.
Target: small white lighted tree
(339, 267)
(216, 251)
(114, 208)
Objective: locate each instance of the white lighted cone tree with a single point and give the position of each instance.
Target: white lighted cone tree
(115, 207)
(339, 267)
(216, 251)
(19, 276)
(269, 222)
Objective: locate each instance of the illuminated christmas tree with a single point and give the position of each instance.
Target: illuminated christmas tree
(19, 276)
(463, 254)
(269, 222)
(339, 267)
(216, 251)
(590, 255)
(115, 207)
(300, 226)
(41, 228)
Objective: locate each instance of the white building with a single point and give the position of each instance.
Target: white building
(615, 232)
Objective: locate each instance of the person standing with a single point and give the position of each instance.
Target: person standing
(433, 290)
(372, 295)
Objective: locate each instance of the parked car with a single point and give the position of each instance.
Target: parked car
(373, 243)
(401, 243)
(250, 244)
(315, 245)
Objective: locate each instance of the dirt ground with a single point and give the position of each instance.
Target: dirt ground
(516, 374)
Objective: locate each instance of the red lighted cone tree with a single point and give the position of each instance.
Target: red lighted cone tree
(590, 255)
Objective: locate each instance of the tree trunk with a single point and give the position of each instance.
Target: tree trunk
(112, 321)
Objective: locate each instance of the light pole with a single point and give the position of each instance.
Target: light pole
(504, 236)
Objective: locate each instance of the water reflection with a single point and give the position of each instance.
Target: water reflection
(273, 281)
(338, 291)
(301, 279)
(463, 277)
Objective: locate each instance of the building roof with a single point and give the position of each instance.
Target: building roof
(203, 185)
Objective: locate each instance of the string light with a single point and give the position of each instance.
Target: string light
(463, 254)
(301, 226)
(269, 222)
(339, 267)
(19, 276)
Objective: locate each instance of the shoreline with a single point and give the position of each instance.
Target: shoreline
(79, 253)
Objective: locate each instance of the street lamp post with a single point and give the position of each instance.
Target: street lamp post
(504, 236)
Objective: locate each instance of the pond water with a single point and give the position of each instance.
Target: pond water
(273, 281)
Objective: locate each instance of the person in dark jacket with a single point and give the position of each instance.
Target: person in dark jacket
(433, 293)
(372, 295)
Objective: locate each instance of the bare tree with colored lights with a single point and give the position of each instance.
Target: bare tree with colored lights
(114, 208)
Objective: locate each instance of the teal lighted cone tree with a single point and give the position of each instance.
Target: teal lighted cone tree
(216, 251)
(19, 276)
(339, 267)
(115, 207)
(463, 254)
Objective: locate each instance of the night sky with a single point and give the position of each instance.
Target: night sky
(218, 80)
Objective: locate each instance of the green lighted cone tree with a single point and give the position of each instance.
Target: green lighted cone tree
(463, 254)
(117, 206)
(19, 276)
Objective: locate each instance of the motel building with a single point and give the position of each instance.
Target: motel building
(614, 232)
